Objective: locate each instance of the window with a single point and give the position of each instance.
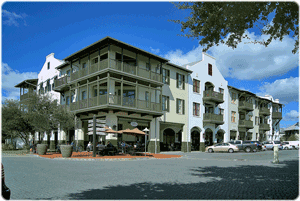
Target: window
(95, 61)
(256, 104)
(196, 86)
(72, 98)
(166, 76)
(221, 111)
(233, 98)
(165, 103)
(180, 81)
(48, 85)
(68, 100)
(68, 73)
(233, 116)
(83, 95)
(147, 98)
(148, 67)
(221, 90)
(84, 65)
(180, 106)
(48, 65)
(250, 117)
(196, 109)
(210, 69)
(53, 84)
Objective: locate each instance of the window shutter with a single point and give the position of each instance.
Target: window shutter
(183, 80)
(177, 80)
(183, 106)
(168, 104)
(168, 71)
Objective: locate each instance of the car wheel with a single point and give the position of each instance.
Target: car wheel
(254, 150)
(230, 150)
(272, 148)
(285, 148)
(248, 149)
(210, 150)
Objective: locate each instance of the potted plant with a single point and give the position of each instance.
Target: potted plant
(66, 150)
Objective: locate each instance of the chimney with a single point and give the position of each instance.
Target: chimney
(50, 55)
(276, 100)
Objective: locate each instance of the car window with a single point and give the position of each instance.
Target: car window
(247, 141)
(225, 144)
(231, 142)
(276, 142)
(238, 142)
(217, 145)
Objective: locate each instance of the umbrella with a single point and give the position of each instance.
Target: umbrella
(112, 131)
(135, 131)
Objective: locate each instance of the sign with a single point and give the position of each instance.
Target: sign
(97, 125)
(134, 124)
(97, 129)
(97, 133)
(97, 121)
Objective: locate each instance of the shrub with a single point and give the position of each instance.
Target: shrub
(26, 147)
(4, 147)
(293, 138)
(11, 147)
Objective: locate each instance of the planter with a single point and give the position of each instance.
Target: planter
(66, 150)
(42, 149)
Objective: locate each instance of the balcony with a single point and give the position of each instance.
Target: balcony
(264, 111)
(276, 115)
(61, 83)
(243, 105)
(25, 96)
(248, 124)
(115, 101)
(213, 96)
(213, 118)
(264, 127)
(116, 65)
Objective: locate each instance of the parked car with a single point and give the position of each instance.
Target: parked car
(257, 143)
(222, 147)
(269, 145)
(294, 144)
(5, 189)
(247, 147)
(286, 146)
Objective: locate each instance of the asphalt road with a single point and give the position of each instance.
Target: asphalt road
(194, 176)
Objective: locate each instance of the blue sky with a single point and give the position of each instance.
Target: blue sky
(32, 30)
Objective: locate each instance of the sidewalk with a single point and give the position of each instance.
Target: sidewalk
(89, 155)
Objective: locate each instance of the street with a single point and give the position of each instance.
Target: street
(196, 175)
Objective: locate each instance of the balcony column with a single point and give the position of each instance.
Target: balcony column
(77, 96)
(149, 69)
(160, 73)
(20, 92)
(79, 132)
(87, 94)
(149, 88)
(122, 91)
(71, 74)
(137, 92)
(98, 94)
(122, 58)
(108, 87)
(160, 100)
(98, 65)
(136, 64)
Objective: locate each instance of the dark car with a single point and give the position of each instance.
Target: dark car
(5, 189)
(257, 143)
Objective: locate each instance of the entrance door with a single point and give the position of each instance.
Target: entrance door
(195, 140)
(169, 139)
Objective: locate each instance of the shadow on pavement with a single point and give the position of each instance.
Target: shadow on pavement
(242, 182)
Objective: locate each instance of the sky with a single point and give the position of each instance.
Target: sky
(33, 30)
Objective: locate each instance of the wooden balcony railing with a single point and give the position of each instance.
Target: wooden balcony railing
(277, 115)
(243, 105)
(214, 96)
(116, 65)
(246, 123)
(264, 111)
(213, 118)
(61, 81)
(115, 100)
(264, 127)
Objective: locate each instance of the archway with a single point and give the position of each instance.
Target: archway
(168, 139)
(195, 139)
(208, 137)
(209, 86)
(220, 136)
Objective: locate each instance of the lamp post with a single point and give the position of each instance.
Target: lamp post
(145, 130)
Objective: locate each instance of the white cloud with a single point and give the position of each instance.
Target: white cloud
(286, 90)
(293, 115)
(179, 58)
(248, 61)
(13, 18)
(10, 78)
(154, 51)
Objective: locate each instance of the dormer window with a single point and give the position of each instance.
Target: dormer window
(48, 65)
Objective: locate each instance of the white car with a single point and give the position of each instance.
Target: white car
(293, 144)
(226, 147)
(286, 146)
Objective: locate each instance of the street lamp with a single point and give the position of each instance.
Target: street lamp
(145, 130)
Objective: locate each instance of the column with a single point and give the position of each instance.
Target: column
(52, 142)
(237, 135)
(202, 141)
(154, 144)
(111, 120)
(79, 133)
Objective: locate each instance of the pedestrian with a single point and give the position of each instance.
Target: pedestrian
(89, 146)
(123, 145)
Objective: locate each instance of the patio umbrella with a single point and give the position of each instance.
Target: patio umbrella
(136, 132)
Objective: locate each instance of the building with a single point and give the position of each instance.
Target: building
(184, 107)
(207, 104)
(292, 130)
